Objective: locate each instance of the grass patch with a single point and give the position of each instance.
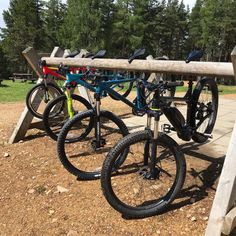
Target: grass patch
(223, 89)
(227, 89)
(14, 91)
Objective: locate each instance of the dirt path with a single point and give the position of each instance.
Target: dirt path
(30, 175)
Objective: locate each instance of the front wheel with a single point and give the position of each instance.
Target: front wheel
(204, 109)
(39, 96)
(82, 158)
(128, 187)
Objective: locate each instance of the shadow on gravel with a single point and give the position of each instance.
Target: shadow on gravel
(126, 115)
(198, 182)
(35, 136)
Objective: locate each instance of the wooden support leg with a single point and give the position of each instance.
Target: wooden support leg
(233, 57)
(26, 117)
(225, 194)
(24, 123)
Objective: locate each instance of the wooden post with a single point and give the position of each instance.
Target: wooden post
(225, 194)
(57, 52)
(233, 57)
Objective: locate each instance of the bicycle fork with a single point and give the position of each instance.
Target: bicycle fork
(150, 160)
(46, 94)
(98, 142)
(70, 109)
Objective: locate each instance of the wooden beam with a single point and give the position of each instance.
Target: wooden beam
(233, 57)
(226, 191)
(173, 67)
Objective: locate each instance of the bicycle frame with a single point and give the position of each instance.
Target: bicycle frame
(183, 126)
(102, 87)
(52, 71)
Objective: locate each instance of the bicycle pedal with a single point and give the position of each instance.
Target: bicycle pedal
(166, 128)
(208, 135)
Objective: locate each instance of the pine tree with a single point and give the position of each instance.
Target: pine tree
(23, 29)
(121, 28)
(218, 27)
(195, 28)
(4, 71)
(173, 29)
(53, 20)
(87, 24)
(143, 23)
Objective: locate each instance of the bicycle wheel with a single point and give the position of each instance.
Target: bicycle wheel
(38, 97)
(127, 187)
(80, 158)
(56, 113)
(204, 109)
(123, 89)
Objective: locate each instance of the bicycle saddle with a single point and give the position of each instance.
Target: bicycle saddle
(99, 54)
(73, 54)
(137, 54)
(195, 55)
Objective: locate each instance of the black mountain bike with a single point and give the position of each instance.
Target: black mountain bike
(153, 173)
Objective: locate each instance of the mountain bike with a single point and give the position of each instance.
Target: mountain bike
(154, 169)
(82, 144)
(64, 107)
(40, 95)
(153, 173)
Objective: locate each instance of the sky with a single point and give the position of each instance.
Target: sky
(4, 4)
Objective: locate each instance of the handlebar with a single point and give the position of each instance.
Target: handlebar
(152, 87)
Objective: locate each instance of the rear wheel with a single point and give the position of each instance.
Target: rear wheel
(204, 109)
(56, 113)
(128, 187)
(123, 89)
(39, 96)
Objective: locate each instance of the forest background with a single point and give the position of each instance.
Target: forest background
(162, 27)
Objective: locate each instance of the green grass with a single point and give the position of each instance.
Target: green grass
(223, 89)
(227, 89)
(14, 91)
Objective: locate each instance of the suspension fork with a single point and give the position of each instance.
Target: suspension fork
(189, 101)
(153, 169)
(69, 102)
(98, 142)
(46, 95)
(147, 144)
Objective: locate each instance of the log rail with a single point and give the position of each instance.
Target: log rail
(215, 69)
